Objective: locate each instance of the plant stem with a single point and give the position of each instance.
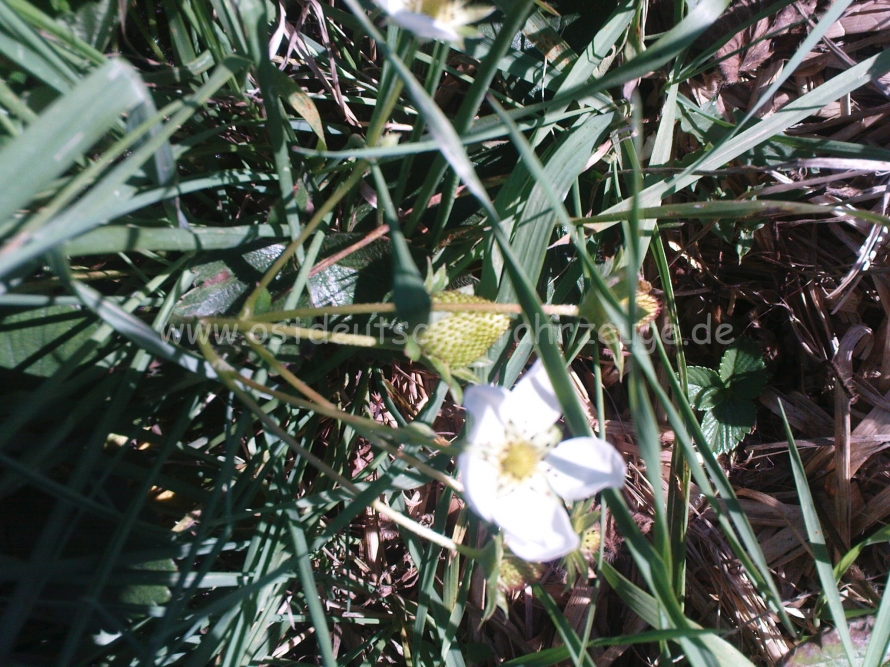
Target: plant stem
(370, 308)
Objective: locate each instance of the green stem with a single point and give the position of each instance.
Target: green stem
(292, 379)
(429, 471)
(375, 131)
(373, 308)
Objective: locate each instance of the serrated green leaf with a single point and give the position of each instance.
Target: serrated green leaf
(743, 370)
(362, 276)
(709, 397)
(727, 423)
(705, 387)
(222, 284)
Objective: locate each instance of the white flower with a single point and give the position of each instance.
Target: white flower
(515, 470)
(445, 20)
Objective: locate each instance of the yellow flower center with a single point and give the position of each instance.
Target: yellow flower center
(437, 9)
(590, 543)
(520, 460)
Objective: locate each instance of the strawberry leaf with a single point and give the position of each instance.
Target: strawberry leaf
(743, 370)
(705, 387)
(729, 422)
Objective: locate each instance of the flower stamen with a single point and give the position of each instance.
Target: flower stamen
(437, 9)
(520, 460)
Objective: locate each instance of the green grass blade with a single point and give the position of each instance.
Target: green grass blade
(102, 201)
(827, 20)
(543, 206)
(409, 294)
(488, 69)
(50, 145)
(719, 209)
(577, 651)
(817, 543)
(794, 112)
(666, 48)
(880, 635)
(748, 551)
(307, 580)
(57, 29)
(120, 238)
(439, 125)
(140, 333)
(28, 50)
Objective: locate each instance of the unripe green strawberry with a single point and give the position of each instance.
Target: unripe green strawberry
(515, 574)
(458, 339)
(590, 543)
(647, 305)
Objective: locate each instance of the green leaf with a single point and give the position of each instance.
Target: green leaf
(743, 370)
(705, 387)
(728, 422)
(882, 535)
(39, 341)
(362, 276)
(223, 282)
(744, 243)
(300, 102)
(724, 230)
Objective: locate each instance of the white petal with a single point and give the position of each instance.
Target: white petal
(532, 405)
(484, 404)
(480, 480)
(391, 6)
(581, 467)
(425, 26)
(536, 525)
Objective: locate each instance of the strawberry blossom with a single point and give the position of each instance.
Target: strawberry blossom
(445, 20)
(516, 472)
